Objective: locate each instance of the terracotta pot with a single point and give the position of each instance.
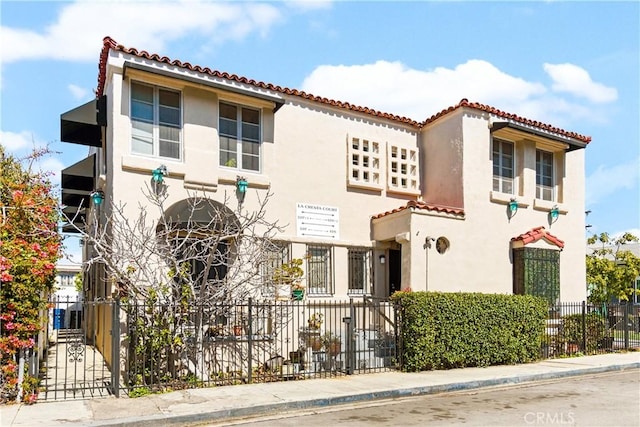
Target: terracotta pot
(334, 348)
(315, 343)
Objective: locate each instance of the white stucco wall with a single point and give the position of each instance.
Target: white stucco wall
(304, 160)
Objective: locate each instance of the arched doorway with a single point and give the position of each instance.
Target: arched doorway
(201, 235)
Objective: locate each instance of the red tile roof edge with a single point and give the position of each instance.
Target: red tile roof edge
(422, 205)
(109, 43)
(536, 234)
(510, 116)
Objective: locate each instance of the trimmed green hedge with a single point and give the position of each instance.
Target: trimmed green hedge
(453, 330)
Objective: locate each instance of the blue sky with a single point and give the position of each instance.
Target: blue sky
(574, 65)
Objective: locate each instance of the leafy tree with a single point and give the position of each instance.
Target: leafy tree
(29, 249)
(611, 268)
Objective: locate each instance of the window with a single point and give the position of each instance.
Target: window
(536, 271)
(276, 254)
(156, 118)
(503, 166)
(364, 167)
(402, 173)
(239, 137)
(359, 270)
(67, 280)
(319, 270)
(544, 175)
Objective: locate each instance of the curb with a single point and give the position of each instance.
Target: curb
(269, 409)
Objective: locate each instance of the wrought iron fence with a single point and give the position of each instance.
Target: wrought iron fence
(253, 341)
(584, 328)
(99, 348)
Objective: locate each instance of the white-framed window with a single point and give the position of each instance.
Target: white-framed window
(359, 270)
(67, 280)
(402, 169)
(503, 166)
(240, 135)
(544, 175)
(156, 120)
(319, 270)
(364, 163)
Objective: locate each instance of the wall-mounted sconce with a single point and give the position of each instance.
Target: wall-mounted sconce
(513, 207)
(382, 259)
(97, 197)
(553, 214)
(241, 188)
(159, 173)
(242, 184)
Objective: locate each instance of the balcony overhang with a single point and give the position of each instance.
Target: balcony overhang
(82, 125)
(78, 181)
(553, 142)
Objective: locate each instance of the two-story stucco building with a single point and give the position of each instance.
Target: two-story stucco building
(470, 199)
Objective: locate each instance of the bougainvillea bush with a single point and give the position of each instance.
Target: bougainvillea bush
(29, 249)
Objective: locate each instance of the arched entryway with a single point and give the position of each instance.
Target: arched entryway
(201, 235)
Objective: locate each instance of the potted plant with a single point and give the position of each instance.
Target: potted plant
(289, 275)
(237, 330)
(315, 321)
(331, 343)
(297, 291)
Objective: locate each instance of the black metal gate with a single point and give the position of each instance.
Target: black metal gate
(371, 336)
(78, 350)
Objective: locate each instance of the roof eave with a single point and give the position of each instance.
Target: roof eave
(278, 101)
(572, 143)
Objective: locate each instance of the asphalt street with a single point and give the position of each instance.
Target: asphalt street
(608, 399)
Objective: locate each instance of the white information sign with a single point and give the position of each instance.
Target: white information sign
(318, 221)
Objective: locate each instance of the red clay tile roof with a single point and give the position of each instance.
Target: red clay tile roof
(510, 116)
(536, 234)
(109, 43)
(414, 204)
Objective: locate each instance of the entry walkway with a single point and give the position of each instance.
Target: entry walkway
(74, 369)
(219, 403)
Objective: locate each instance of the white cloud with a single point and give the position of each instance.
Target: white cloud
(14, 142)
(75, 37)
(606, 180)
(78, 92)
(52, 167)
(634, 231)
(575, 80)
(309, 5)
(20, 145)
(395, 88)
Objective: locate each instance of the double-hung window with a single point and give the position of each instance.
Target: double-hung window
(239, 137)
(319, 270)
(156, 119)
(503, 166)
(544, 175)
(359, 270)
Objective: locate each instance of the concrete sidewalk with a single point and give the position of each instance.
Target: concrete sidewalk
(219, 403)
